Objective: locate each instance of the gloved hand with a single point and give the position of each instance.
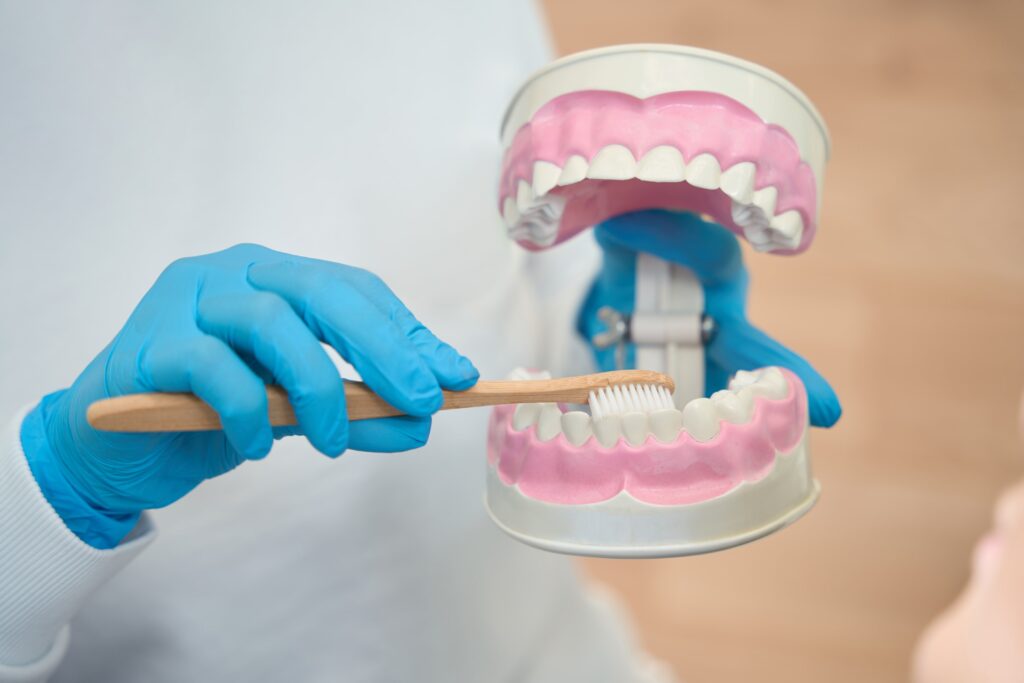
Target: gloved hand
(713, 254)
(219, 326)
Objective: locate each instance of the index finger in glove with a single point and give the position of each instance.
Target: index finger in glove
(338, 313)
(451, 368)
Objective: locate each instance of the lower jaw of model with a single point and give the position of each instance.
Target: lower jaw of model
(624, 129)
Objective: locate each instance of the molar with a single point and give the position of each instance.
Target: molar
(662, 164)
(733, 407)
(703, 171)
(543, 233)
(576, 426)
(789, 226)
(613, 162)
(549, 422)
(743, 378)
(700, 419)
(771, 384)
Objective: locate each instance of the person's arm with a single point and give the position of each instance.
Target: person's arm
(72, 499)
(46, 571)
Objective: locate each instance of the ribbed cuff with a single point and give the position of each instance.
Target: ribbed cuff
(99, 529)
(46, 571)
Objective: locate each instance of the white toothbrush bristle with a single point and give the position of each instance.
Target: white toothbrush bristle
(631, 398)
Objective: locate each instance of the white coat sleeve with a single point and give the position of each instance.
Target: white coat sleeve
(46, 572)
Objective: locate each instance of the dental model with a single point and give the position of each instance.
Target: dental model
(623, 129)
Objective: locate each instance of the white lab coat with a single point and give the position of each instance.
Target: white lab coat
(135, 133)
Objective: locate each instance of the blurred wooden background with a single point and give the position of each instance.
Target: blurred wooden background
(911, 301)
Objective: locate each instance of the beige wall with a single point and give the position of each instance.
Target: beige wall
(911, 301)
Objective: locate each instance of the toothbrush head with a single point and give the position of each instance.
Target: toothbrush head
(629, 398)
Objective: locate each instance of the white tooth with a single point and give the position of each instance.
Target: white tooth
(524, 197)
(549, 423)
(526, 414)
(790, 227)
(666, 424)
(760, 241)
(511, 213)
(634, 428)
(576, 425)
(522, 373)
(738, 182)
(771, 383)
(703, 171)
(613, 162)
(700, 419)
(545, 177)
(743, 378)
(733, 407)
(518, 374)
(747, 396)
(608, 430)
(538, 374)
(662, 164)
(765, 199)
(575, 170)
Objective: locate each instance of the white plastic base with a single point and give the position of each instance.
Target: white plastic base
(626, 527)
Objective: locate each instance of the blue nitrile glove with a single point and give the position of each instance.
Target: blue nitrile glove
(713, 254)
(218, 326)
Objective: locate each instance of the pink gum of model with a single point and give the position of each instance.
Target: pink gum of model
(582, 123)
(678, 473)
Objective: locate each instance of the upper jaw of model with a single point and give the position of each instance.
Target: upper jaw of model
(641, 127)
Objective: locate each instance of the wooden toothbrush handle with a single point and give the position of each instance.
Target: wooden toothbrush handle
(177, 412)
(171, 412)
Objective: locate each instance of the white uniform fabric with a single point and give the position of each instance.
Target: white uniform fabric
(366, 133)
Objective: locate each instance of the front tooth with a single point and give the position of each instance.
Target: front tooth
(700, 419)
(733, 407)
(666, 424)
(545, 177)
(510, 213)
(634, 428)
(524, 197)
(738, 182)
(549, 423)
(703, 171)
(575, 170)
(608, 429)
(790, 226)
(613, 162)
(765, 199)
(662, 164)
(576, 425)
(526, 414)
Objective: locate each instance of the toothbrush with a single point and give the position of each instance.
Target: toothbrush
(175, 412)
